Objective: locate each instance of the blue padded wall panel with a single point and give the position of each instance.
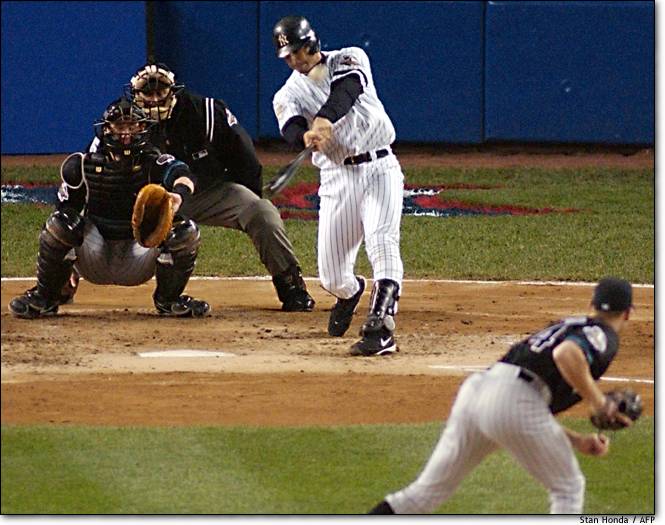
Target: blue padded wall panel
(212, 47)
(570, 71)
(426, 60)
(62, 63)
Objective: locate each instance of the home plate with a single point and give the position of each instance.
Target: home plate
(185, 353)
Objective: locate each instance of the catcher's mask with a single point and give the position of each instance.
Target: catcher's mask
(293, 32)
(124, 129)
(154, 89)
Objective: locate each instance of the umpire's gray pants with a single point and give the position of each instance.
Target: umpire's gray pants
(101, 261)
(234, 206)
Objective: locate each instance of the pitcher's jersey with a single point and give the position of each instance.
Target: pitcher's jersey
(366, 127)
(598, 341)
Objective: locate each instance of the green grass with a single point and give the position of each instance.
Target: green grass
(613, 233)
(338, 470)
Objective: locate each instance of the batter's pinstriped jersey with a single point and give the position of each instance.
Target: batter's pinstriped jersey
(366, 127)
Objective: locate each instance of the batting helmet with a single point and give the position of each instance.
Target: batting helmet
(153, 88)
(124, 129)
(293, 32)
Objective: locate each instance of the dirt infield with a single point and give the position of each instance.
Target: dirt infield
(82, 366)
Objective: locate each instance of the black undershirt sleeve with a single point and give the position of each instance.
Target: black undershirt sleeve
(293, 131)
(343, 94)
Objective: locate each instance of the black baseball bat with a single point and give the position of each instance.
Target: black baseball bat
(285, 174)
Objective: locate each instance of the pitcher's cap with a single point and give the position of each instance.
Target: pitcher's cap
(612, 295)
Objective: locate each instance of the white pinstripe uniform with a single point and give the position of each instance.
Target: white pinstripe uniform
(356, 201)
(512, 407)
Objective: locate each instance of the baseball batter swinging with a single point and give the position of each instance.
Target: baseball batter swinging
(330, 102)
(511, 405)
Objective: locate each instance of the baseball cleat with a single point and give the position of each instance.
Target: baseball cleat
(377, 337)
(342, 313)
(31, 305)
(184, 306)
(298, 300)
(375, 344)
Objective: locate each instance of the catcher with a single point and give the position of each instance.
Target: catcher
(512, 405)
(114, 224)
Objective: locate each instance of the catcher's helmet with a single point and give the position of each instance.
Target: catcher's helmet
(293, 32)
(124, 128)
(153, 88)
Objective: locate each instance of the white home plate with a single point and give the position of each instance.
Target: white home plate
(185, 353)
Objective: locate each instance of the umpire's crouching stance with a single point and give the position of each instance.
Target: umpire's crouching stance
(511, 405)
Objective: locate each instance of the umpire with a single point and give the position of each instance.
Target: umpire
(203, 132)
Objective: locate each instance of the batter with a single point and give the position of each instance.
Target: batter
(330, 102)
(511, 405)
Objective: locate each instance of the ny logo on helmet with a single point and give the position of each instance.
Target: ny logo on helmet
(282, 40)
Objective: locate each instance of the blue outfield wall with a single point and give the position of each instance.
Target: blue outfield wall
(213, 49)
(61, 65)
(461, 72)
(570, 71)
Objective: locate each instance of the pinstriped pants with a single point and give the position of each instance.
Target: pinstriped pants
(360, 202)
(496, 409)
(124, 263)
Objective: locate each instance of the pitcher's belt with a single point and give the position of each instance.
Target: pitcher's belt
(508, 370)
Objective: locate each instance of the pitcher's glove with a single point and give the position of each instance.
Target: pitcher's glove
(152, 217)
(626, 402)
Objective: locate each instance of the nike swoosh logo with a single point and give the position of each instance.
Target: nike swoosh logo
(384, 342)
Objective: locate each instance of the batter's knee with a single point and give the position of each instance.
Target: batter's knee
(569, 498)
(260, 215)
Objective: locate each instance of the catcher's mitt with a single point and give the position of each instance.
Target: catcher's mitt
(152, 217)
(628, 403)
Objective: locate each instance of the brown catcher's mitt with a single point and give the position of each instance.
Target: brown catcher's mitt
(152, 218)
(628, 403)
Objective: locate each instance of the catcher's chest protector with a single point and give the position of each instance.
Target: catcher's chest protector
(112, 190)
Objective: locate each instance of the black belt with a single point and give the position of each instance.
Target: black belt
(526, 376)
(365, 157)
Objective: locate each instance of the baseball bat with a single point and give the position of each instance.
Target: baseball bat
(285, 174)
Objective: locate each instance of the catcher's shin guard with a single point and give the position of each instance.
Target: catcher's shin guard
(174, 268)
(377, 331)
(62, 231)
(292, 291)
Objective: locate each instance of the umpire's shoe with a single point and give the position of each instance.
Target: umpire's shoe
(184, 306)
(32, 304)
(342, 313)
(377, 337)
(292, 291)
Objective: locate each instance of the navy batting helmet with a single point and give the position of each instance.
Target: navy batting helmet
(293, 32)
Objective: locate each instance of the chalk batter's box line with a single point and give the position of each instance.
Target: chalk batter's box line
(472, 368)
(448, 281)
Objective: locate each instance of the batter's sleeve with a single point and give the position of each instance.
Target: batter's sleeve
(349, 61)
(286, 107)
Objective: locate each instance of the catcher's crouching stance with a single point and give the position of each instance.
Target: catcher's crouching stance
(114, 222)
